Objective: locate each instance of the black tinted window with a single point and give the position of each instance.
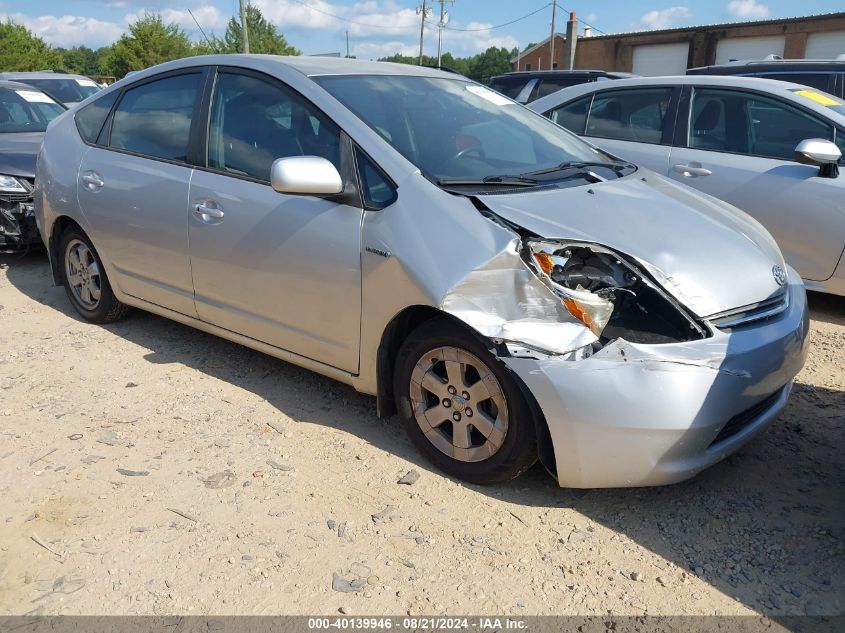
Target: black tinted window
(820, 81)
(254, 122)
(548, 86)
(90, 119)
(743, 123)
(509, 86)
(572, 116)
(630, 115)
(155, 118)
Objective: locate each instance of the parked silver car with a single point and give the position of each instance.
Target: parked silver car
(769, 147)
(512, 291)
(65, 88)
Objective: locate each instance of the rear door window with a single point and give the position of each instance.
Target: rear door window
(154, 118)
(572, 116)
(630, 115)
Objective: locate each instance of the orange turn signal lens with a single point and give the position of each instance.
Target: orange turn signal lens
(544, 261)
(578, 312)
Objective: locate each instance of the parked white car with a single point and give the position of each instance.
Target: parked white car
(740, 139)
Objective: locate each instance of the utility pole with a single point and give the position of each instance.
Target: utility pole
(422, 11)
(243, 27)
(552, 38)
(347, 43)
(444, 18)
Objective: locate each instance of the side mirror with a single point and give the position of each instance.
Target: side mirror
(821, 152)
(305, 176)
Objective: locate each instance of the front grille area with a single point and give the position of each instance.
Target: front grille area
(745, 315)
(742, 420)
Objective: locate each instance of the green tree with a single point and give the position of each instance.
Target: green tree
(494, 61)
(263, 36)
(79, 59)
(150, 41)
(20, 50)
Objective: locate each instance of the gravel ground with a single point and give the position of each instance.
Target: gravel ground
(148, 468)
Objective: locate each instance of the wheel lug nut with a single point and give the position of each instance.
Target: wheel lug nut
(465, 394)
(456, 416)
(468, 412)
(452, 390)
(447, 403)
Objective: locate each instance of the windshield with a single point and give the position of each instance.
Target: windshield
(64, 89)
(458, 131)
(26, 110)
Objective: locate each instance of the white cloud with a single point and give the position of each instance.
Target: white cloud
(208, 17)
(69, 30)
(664, 18)
(748, 9)
(592, 17)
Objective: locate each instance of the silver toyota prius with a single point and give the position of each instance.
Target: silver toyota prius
(511, 291)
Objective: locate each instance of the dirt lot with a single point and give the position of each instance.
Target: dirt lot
(149, 468)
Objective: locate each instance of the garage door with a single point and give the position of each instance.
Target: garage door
(748, 48)
(661, 59)
(825, 45)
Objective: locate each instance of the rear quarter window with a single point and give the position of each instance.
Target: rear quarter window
(90, 119)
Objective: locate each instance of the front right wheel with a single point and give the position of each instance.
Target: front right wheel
(461, 406)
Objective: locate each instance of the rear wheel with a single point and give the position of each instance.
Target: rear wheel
(85, 280)
(461, 406)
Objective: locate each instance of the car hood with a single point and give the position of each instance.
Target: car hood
(709, 255)
(18, 152)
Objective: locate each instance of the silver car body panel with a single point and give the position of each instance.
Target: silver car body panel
(805, 213)
(437, 250)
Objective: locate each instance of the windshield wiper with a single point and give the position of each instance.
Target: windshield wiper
(575, 164)
(504, 181)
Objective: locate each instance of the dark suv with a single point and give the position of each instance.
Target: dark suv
(827, 75)
(527, 85)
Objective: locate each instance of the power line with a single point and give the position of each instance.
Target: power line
(409, 27)
(499, 26)
(207, 41)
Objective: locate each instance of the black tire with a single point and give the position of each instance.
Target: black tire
(518, 448)
(107, 308)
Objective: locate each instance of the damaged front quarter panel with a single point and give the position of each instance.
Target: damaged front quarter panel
(505, 301)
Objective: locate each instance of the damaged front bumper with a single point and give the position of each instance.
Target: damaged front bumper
(18, 230)
(644, 415)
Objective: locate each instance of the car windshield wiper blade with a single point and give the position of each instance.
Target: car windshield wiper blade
(576, 164)
(504, 181)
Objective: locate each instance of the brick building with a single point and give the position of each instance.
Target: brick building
(672, 51)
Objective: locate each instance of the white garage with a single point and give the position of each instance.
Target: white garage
(748, 48)
(651, 60)
(825, 45)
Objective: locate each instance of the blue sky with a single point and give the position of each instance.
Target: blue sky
(383, 27)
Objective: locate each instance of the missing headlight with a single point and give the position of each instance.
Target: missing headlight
(610, 295)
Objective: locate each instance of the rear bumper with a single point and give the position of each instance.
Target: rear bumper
(644, 415)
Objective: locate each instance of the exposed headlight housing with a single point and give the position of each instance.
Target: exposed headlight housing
(10, 184)
(609, 294)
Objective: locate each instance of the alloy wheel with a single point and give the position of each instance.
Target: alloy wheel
(459, 404)
(83, 274)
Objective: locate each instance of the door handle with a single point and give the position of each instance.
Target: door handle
(208, 213)
(92, 181)
(693, 170)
